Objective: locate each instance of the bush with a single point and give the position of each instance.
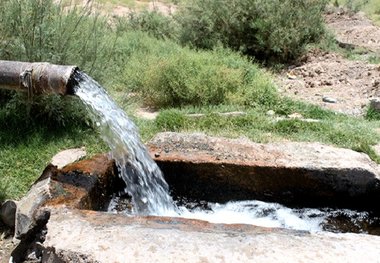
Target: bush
(275, 30)
(167, 75)
(35, 30)
(152, 22)
(49, 111)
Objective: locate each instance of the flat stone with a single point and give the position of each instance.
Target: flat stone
(292, 173)
(101, 237)
(329, 99)
(222, 114)
(66, 157)
(146, 114)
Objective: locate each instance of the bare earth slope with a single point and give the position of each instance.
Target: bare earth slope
(352, 84)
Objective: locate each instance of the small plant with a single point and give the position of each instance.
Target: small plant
(372, 114)
(170, 120)
(374, 59)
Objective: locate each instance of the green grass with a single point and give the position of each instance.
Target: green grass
(24, 155)
(334, 129)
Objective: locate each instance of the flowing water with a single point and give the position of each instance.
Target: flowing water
(143, 178)
(150, 193)
(276, 215)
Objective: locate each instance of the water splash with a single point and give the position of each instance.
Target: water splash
(258, 213)
(143, 178)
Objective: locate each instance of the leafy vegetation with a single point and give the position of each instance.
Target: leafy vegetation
(24, 153)
(267, 30)
(372, 114)
(152, 22)
(33, 30)
(170, 76)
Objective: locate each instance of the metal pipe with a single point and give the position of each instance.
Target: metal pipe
(37, 78)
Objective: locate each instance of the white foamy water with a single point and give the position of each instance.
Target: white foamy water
(143, 178)
(260, 214)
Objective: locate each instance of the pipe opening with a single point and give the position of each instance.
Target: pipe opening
(37, 78)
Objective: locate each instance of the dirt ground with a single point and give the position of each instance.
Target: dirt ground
(354, 29)
(347, 85)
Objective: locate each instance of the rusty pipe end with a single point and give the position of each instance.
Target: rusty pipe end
(47, 78)
(37, 78)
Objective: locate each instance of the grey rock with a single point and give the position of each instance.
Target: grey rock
(66, 157)
(29, 248)
(52, 255)
(329, 99)
(28, 207)
(8, 213)
(375, 104)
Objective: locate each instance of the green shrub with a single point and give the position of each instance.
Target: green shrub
(275, 30)
(35, 30)
(50, 111)
(370, 7)
(153, 22)
(372, 114)
(167, 75)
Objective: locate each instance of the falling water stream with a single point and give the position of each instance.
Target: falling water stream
(143, 178)
(150, 192)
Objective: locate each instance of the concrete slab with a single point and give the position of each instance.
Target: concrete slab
(292, 173)
(115, 238)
